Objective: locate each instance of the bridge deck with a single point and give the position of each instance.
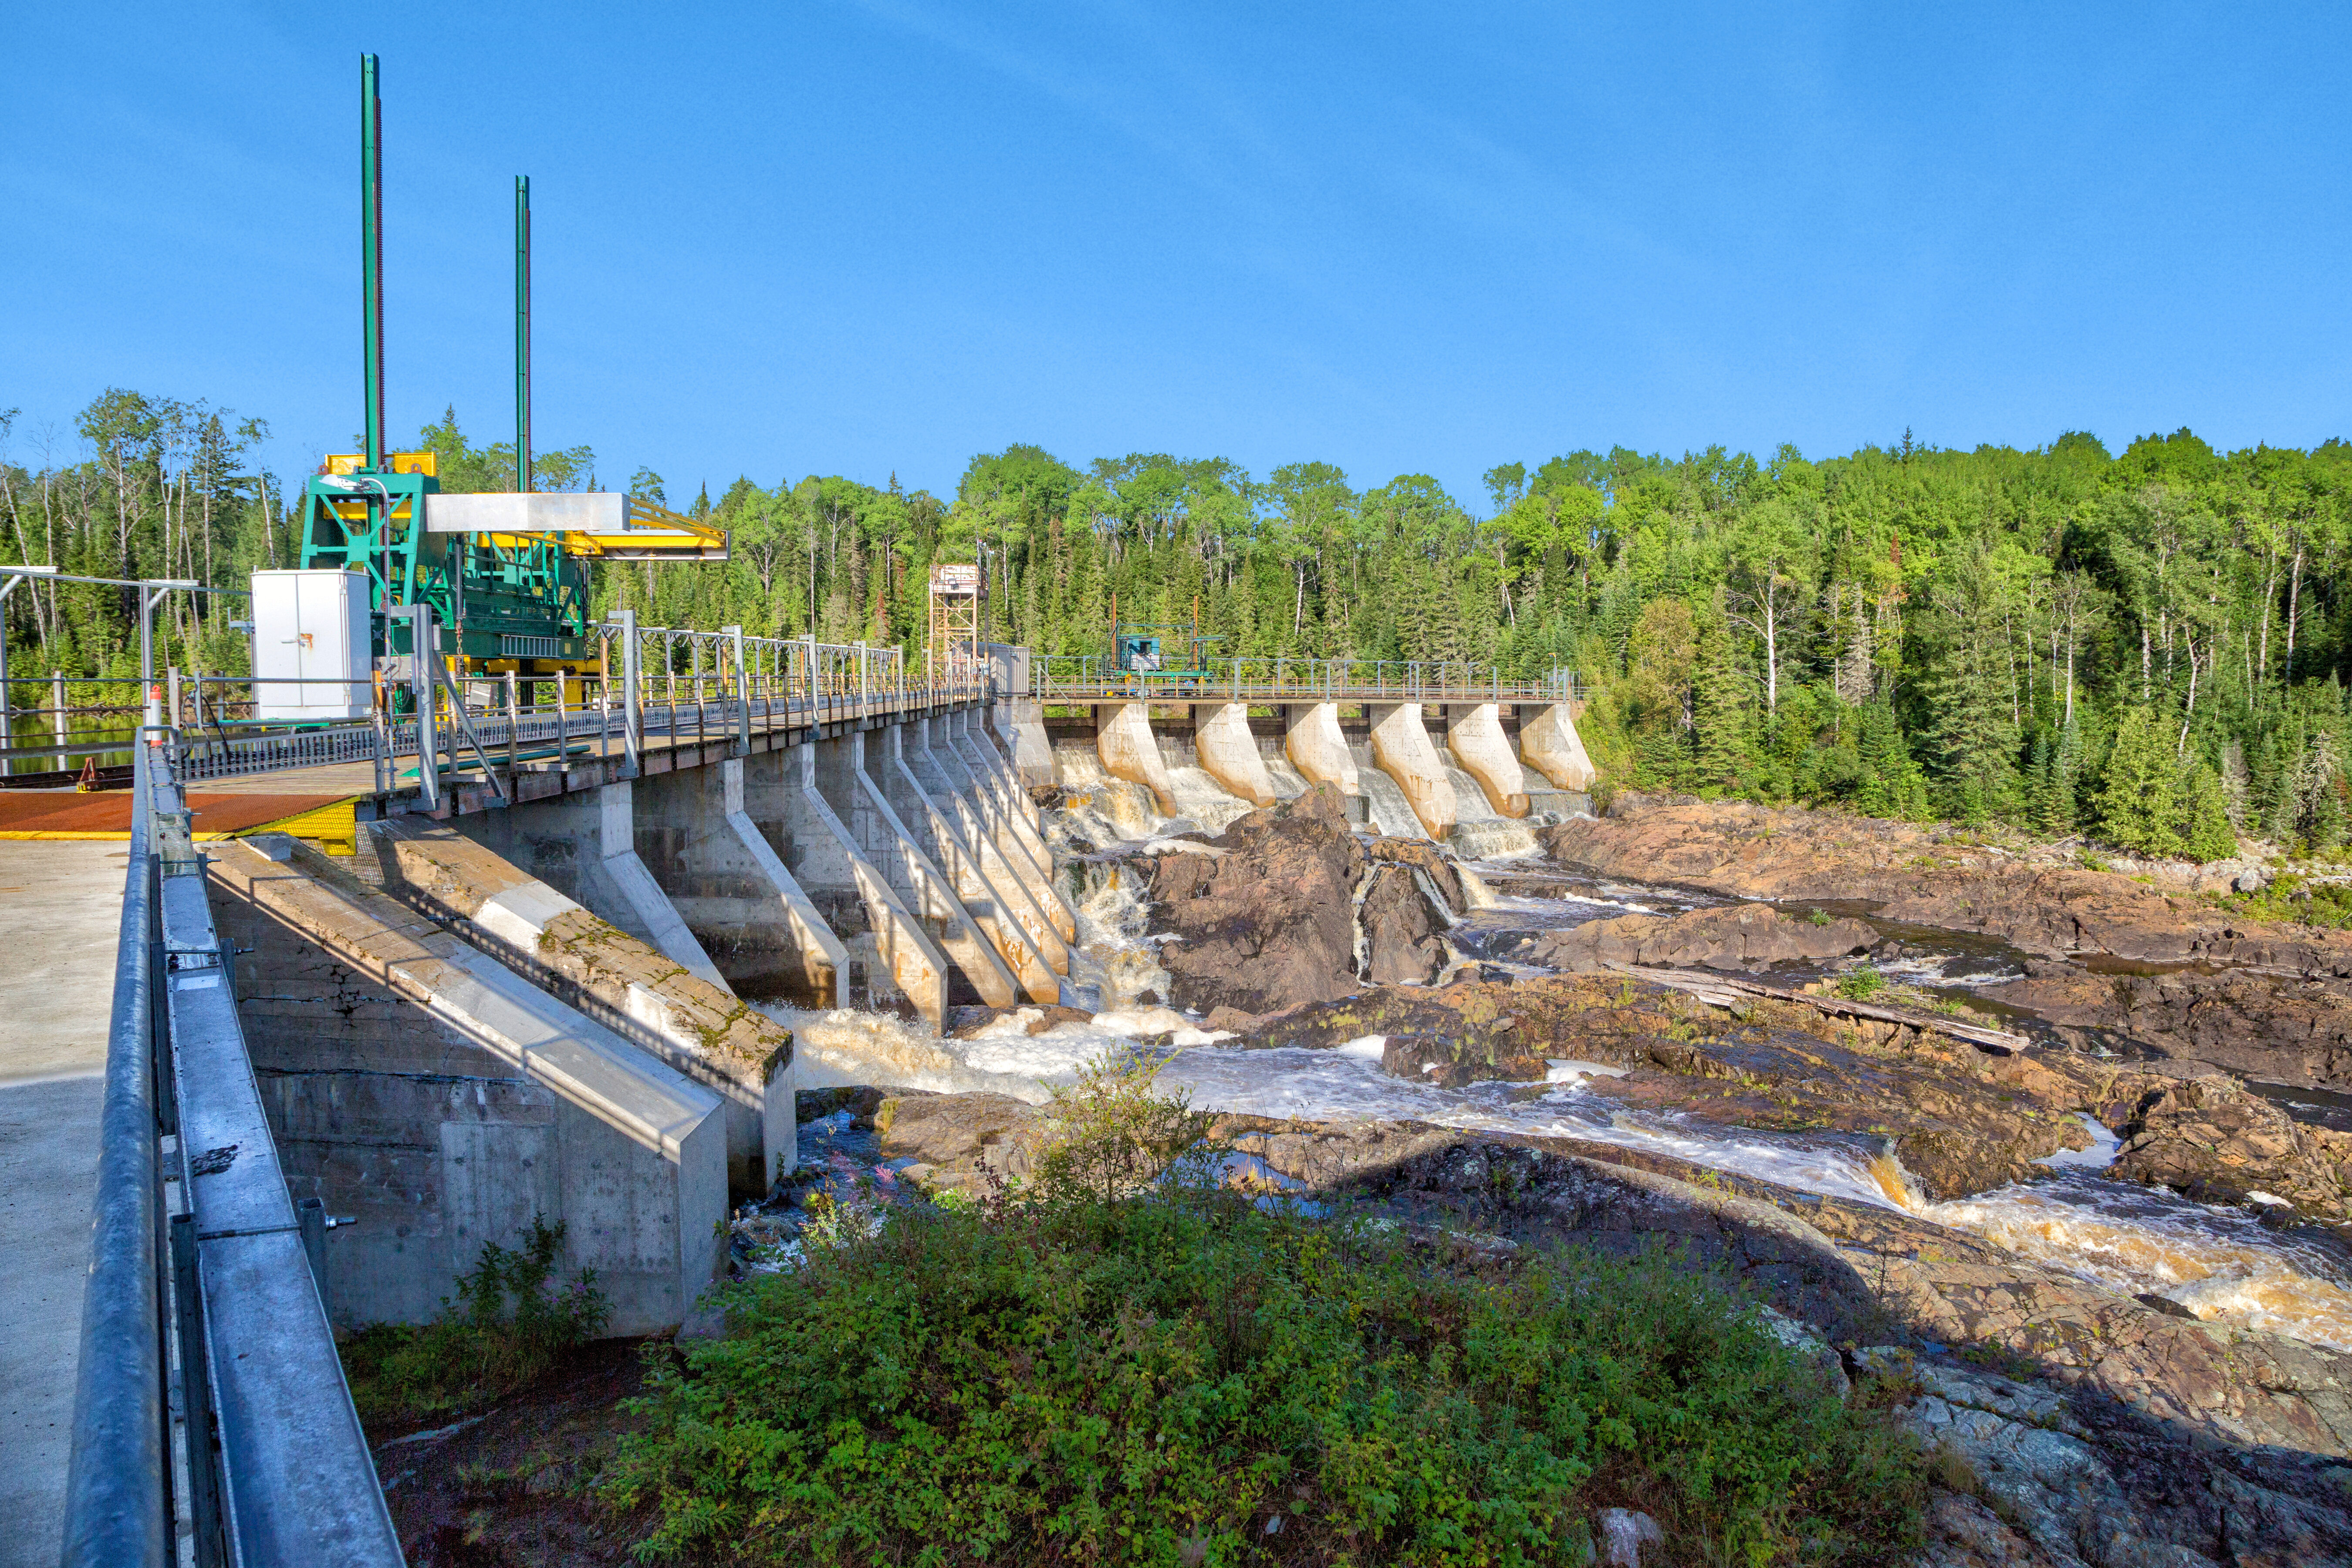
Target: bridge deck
(58, 926)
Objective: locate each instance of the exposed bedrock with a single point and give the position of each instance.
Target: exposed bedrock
(2273, 1002)
(1960, 1120)
(1734, 937)
(2272, 1027)
(2041, 906)
(1264, 916)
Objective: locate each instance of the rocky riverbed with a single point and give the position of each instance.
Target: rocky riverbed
(1979, 1112)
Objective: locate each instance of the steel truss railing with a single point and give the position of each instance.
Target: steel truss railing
(1081, 678)
(654, 685)
(209, 1389)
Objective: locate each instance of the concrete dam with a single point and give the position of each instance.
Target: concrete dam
(389, 990)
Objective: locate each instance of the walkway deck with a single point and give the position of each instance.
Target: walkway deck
(57, 927)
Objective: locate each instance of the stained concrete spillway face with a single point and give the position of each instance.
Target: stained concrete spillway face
(414, 1081)
(698, 1028)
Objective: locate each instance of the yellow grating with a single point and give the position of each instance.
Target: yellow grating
(333, 828)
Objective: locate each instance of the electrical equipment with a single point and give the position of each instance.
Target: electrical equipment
(311, 626)
(506, 574)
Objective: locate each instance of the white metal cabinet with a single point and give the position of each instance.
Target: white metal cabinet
(311, 626)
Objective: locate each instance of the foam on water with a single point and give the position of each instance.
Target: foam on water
(2220, 1263)
(1480, 831)
(1110, 912)
(846, 1047)
(1207, 804)
(1106, 810)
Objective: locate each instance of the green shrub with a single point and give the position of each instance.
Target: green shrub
(1864, 982)
(506, 1327)
(1159, 1377)
(1818, 918)
(2292, 900)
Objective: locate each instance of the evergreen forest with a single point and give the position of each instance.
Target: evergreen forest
(2149, 646)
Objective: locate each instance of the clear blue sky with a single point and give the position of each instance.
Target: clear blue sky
(859, 238)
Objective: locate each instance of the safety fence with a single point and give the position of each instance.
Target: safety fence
(1063, 677)
(651, 687)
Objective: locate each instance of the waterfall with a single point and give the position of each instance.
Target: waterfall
(1480, 831)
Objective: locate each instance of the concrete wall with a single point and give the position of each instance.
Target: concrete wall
(442, 1100)
(696, 1027)
(1403, 750)
(586, 846)
(724, 876)
(1552, 746)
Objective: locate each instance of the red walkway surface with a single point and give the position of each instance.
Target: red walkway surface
(24, 812)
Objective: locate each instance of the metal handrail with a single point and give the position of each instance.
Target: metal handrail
(119, 1512)
(1064, 678)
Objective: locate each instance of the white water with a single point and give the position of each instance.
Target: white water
(1289, 784)
(1111, 953)
(1480, 831)
(1391, 812)
(1204, 802)
(2220, 1263)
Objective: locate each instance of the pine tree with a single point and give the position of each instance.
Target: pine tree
(2138, 798)
(2205, 817)
(1892, 785)
(1723, 752)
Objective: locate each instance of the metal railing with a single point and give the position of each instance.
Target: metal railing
(654, 685)
(208, 1388)
(1076, 677)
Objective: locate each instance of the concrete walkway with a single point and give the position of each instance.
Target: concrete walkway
(60, 905)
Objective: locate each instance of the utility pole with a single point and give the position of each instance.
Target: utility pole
(522, 333)
(371, 253)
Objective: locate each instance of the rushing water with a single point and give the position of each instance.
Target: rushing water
(2220, 1263)
(1385, 804)
(1480, 831)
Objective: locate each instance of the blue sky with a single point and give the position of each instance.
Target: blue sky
(867, 238)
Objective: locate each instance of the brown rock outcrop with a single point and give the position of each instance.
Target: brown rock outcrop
(2214, 1141)
(1735, 937)
(1401, 933)
(1266, 919)
(1910, 874)
(2268, 1026)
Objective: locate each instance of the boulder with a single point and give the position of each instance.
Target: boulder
(1268, 919)
(1735, 937)
(1402, 935)
(1428, 860)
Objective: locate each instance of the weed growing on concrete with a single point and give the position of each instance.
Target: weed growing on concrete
(507, 1325)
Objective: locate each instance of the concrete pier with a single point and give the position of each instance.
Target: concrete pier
(586, 846)
(1552, 747)
(1402, 749)
(1474, 733)
(1317, 747)
(1228, 750)
(1124, 742)
(831, 853)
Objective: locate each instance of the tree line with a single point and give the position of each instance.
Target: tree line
(2148, 645)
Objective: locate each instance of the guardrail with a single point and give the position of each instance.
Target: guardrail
(654, 684)
(208, 1388)
(1074, 677)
